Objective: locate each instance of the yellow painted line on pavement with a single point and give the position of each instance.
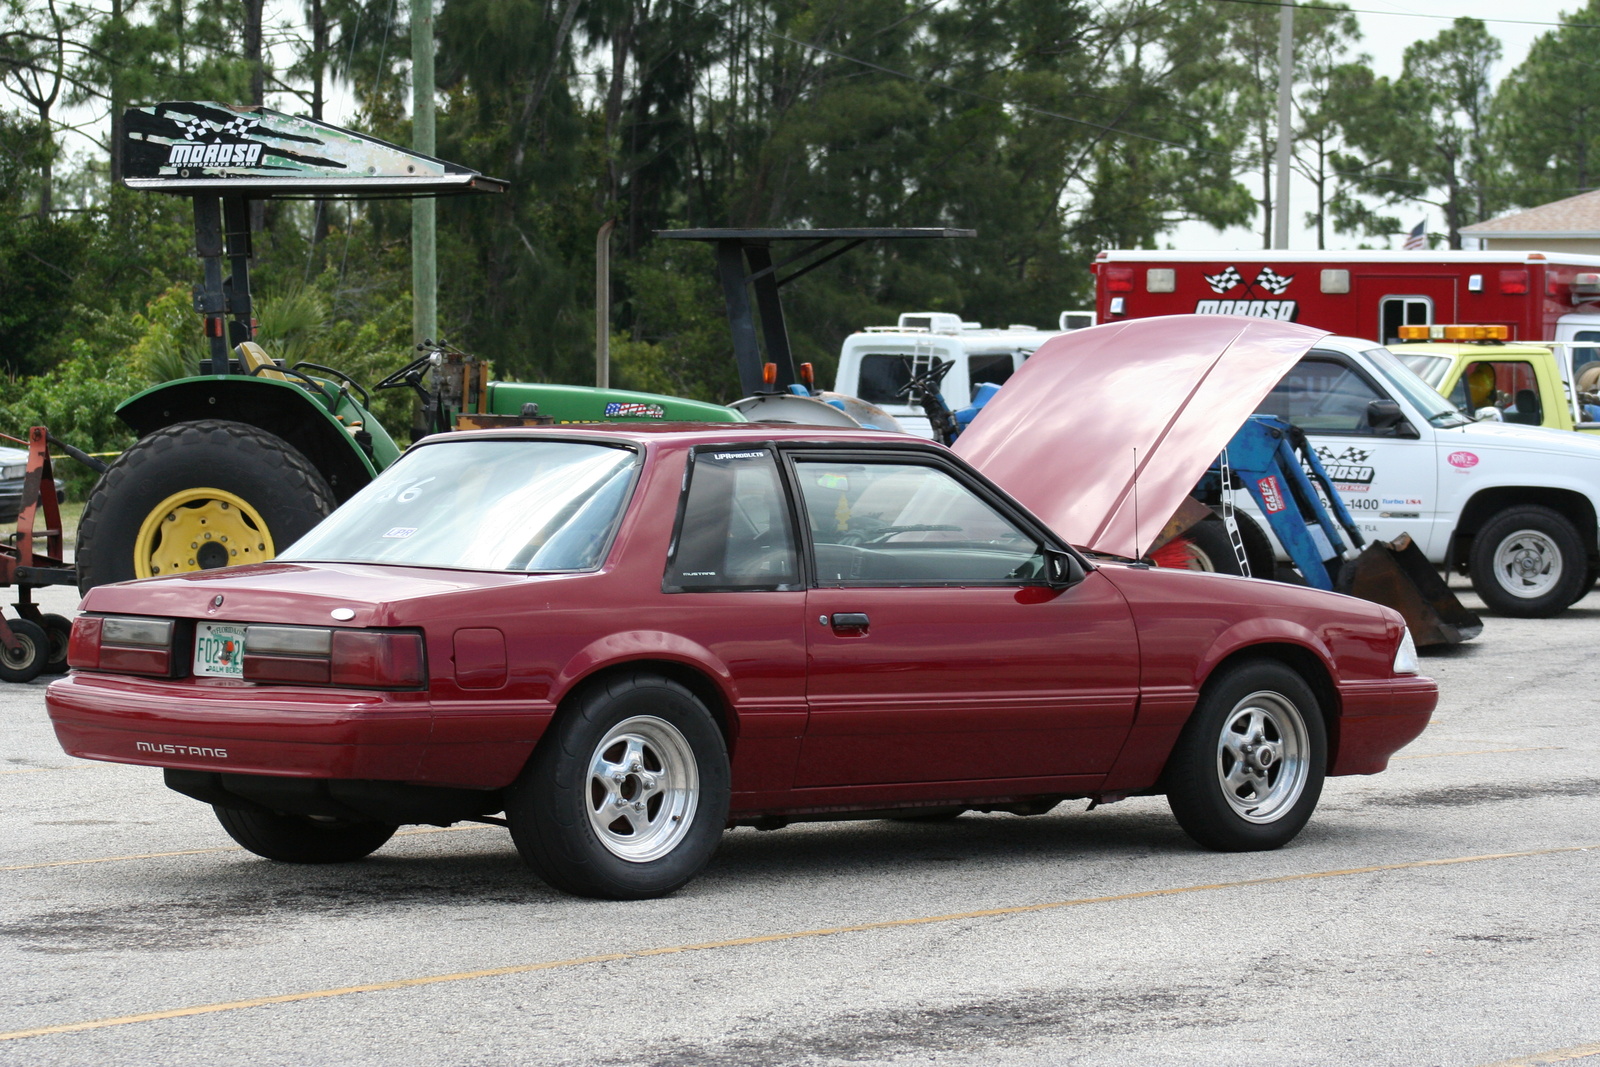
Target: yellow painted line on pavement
(1479, 752)
(761, 939)
(1560, 1055)
(206, 851)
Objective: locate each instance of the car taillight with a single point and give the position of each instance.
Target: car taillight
(314, 655)
(125, 644)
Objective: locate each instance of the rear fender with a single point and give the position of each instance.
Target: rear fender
(636, 646)
(278, 407)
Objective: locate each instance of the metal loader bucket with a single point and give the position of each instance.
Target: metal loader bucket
(1397, 575)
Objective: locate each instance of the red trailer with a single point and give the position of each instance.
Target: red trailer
(1540, 296)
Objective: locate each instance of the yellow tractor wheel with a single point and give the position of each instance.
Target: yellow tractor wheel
(195, 496)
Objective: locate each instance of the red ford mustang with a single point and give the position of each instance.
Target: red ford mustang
(628, 638)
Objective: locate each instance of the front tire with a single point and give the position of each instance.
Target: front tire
(627, 795)
(301, 838)
(1528, 562)
(195, 496)
(1248, 769)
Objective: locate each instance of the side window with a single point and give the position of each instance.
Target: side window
(1587, 354)
(1509, 385)
(993, 368)
(733, 529)
(1397, 311)
(883, 376)
(907, 523)
(1322, 395)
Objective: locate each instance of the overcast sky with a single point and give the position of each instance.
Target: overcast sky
(1387, 27)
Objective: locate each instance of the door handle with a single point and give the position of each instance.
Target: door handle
(849, 620)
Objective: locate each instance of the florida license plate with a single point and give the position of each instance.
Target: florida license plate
(219, 650)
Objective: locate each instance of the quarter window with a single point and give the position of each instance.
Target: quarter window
(734, 530)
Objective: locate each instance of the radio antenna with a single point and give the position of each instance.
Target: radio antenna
(1137, 557)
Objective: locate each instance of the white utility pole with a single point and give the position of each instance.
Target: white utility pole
(1280, 213)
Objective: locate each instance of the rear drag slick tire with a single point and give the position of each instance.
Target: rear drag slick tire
(627, 794)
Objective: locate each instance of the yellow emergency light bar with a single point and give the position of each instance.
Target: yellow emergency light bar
(1440, 332)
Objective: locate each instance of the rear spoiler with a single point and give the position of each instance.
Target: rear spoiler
(200, 147)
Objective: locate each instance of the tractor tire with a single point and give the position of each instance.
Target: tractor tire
(194, 496)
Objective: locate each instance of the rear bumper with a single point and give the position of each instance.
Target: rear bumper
(290, 732)
(1379, 719)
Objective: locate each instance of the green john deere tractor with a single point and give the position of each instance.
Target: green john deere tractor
(238, 461)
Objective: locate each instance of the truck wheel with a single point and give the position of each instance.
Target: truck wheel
(28, 659)
(1528, 562)
(1203, 547)
(302, 839)
(1247, 770)
(197, 495)
(627, 795)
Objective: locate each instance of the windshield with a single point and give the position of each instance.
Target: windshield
(1439, 411)
(1427, 366)
(507, 505)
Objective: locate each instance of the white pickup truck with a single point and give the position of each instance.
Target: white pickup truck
(1513, 507)
(876, 363)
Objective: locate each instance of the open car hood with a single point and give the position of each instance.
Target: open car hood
(1146, 403)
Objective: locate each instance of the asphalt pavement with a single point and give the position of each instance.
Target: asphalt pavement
(1441, 913)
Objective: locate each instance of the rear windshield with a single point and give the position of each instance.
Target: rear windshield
(507, 505)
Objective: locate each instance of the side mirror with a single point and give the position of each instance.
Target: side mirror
(1385, 417)
(1061, 569)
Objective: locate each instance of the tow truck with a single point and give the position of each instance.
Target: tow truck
(1533, 383)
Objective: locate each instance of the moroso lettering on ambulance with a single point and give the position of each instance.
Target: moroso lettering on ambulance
(1281, 310)
(193, 154)
(1271, 494)
(1266, 280)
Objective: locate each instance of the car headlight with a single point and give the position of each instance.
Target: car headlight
(1405, 657)
(8, 473)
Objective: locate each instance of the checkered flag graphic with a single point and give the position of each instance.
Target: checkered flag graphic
(194, 128)
(1272, 281)
(238, 127)
(1224, 280)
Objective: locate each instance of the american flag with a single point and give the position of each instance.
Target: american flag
(1272, 281)
(1223, 280)
(1417, 239)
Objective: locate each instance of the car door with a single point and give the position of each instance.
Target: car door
(935, 653)
(1389, 482)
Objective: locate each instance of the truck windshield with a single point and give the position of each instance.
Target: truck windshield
(1439, 411)
(1430, 368)
(505, 505)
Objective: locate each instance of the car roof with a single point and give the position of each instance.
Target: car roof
(688, 434)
